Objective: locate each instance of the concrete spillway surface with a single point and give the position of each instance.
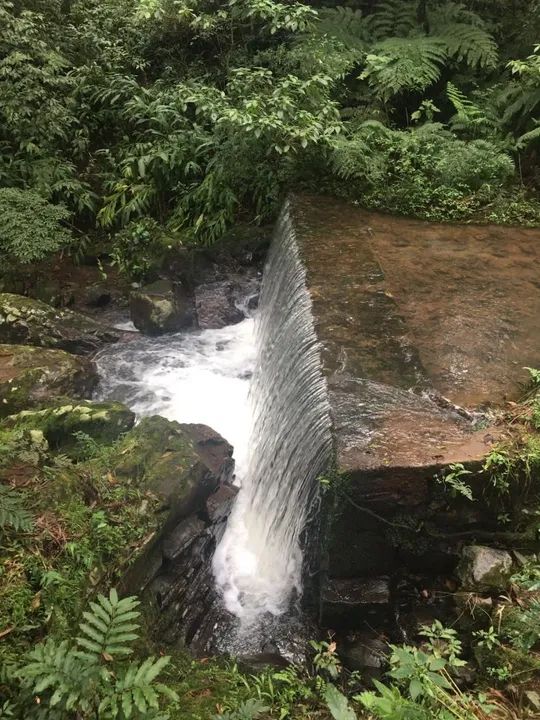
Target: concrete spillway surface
(405, 321)
(414, 319)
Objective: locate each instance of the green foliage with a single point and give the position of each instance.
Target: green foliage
(338, 704)
(129, 111)
(425, 171)
(398, 64)
(325, 658)
(425, 687)
(89, 679)
(246, 710)
(13, 513)
(453, 481)
(521, 98)
(138, 250)
(86, 527)
(30, 227)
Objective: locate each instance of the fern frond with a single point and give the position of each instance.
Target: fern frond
(528, 137)
(470, 44)
(356, 156)
(13, 514)
(399, 64)
(470, 117)
(393, 18)
(349, 27)
(59, 669)
(518, 103)
(135, 689)
(109, 626)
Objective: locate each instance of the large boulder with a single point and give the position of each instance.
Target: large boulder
(104, 422)
(484, 569)
(182, 464)
(32, 322)
(31, 376)
(161, 307)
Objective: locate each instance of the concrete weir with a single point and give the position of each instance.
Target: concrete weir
(423, 327)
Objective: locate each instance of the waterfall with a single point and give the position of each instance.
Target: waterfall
(258, 563)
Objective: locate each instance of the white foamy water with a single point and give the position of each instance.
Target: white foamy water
(192, 377)
(259, 562)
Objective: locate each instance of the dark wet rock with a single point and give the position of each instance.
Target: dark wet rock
(215, 304)
(31, 322)
(225, 302)
(181, 537)
(31, 376)
(189, 467)
(484, 569)
(161, 307)
(365, 652)
(102, 421)
(256, 664)
(97, 295)
(355, 601)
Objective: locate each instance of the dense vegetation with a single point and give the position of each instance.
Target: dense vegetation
(139, 126)
(172, 119)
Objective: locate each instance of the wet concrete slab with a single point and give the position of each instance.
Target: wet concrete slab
(414, 319)
(423, 328)
(411, 303)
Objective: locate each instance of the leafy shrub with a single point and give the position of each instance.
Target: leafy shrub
(425, 172)
(139, 248)
(13, 513)
(30, 227)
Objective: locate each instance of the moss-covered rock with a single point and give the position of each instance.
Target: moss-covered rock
(161, 308)
(103, 422)
(162, 455)
(31, 322)
(183, 465)
(31, 376)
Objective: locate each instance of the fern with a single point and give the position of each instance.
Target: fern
(56, 669)
(527, 138)
(521, 98)
(356, 157)
(109, 626)
(247, 710)
(92, 681)
(469, 44)
(135, 690)
(399, 64)
(465, 35)
(349, 27)
(469, 117)
(13, 514)
(393, 18)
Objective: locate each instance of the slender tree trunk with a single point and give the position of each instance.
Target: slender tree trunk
(422, 15)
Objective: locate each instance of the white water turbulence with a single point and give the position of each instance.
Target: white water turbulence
(192, 377)
(258, 563)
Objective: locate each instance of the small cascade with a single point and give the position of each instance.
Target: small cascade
(258, 564)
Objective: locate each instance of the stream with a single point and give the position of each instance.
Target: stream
(199, 376)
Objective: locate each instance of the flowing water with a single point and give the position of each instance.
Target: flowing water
(192, 377)
(258, 564)
(280, 430)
